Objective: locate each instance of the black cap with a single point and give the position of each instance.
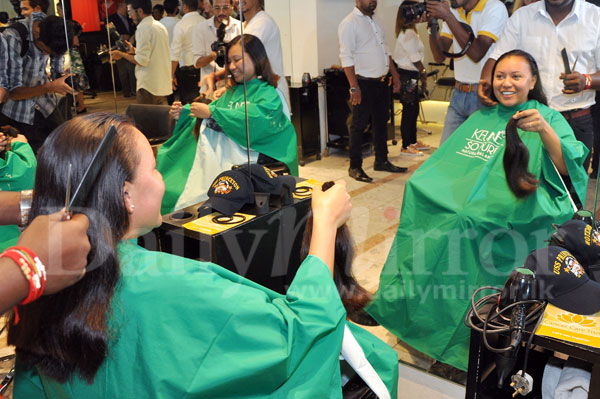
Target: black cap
(228, 193)
(580, 239)
(265, 181)
(561, 280)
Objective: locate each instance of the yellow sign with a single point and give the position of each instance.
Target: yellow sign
(304, 188)
(209, 224)
(571, 327)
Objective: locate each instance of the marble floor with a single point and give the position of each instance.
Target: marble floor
(375, 217)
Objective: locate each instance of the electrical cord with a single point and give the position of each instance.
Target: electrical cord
(490, 325)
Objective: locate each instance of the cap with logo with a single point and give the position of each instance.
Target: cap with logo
(228, 193)
(561, 280)
(265, 181)
(581, 239)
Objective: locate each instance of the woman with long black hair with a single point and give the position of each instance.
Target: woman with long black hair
(467, 221)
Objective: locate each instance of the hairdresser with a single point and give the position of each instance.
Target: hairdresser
(475, 209)
(222, 142)
(143, 323)
(61, 246)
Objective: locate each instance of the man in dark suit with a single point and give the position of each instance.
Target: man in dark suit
(126, 29)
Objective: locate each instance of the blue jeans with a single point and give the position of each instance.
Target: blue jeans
(462, 105)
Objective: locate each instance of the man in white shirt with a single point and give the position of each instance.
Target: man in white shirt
(486, 19)
(151, 56)
(366, 60)
(205, 34)
(543, 29)
(172, 9)
(262, 25)
(182, 54)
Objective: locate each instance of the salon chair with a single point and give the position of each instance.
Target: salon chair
(154, 121)
(444, 82)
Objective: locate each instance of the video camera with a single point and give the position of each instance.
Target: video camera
(219, 46)
(118, 44)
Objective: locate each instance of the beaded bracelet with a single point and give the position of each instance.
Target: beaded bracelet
(33, 269)
(588, 81)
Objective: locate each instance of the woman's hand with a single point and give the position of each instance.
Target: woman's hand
(175, 110)
(331, 209)
(219, 92)
(200, 110)
(333, 206)
(531, 120)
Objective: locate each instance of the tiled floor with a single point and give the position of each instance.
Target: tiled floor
(375, 217)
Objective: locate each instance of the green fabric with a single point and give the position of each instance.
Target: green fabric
(378, 353)
(462, 228)
(175, 159)
(186, 329)
(17, 172)
(271, 132)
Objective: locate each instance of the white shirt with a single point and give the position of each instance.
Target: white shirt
(263, 26)
(531, 29)
(153, 56)
(409, 49)
(487, 18)
(169, 23)
(182, 43)
(205, 34)
(363, 45)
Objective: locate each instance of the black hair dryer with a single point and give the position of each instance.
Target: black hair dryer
(518, 287)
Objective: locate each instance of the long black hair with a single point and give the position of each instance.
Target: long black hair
(516, 156)
(354, 296)
(67, 332)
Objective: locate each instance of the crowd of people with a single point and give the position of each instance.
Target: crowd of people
(105, 294)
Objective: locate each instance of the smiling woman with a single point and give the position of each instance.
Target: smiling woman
(462, 227)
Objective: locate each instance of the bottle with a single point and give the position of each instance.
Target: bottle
(305, 79)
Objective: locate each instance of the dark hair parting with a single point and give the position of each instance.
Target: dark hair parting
(516, 159)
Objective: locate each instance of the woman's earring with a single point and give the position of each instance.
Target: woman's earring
(132, 207)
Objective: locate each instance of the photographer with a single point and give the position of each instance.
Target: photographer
(32, 105)
(151, 57)
(408, 56)
(182, 53)
(486, 19)
(205, 34)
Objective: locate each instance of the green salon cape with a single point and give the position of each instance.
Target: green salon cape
(271, 133)
(17, 172)
(462, 228)
(186, 329)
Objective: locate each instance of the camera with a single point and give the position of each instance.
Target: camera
(118, 44)
(414, 11)
(220, 47)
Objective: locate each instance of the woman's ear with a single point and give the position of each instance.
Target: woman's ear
(533, 82)
(127, 188)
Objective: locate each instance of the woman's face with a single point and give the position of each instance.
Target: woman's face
(144, 195)
(513, 80)
(235, 64)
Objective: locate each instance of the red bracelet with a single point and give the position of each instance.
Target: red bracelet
(588, 81)
(33, 270)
